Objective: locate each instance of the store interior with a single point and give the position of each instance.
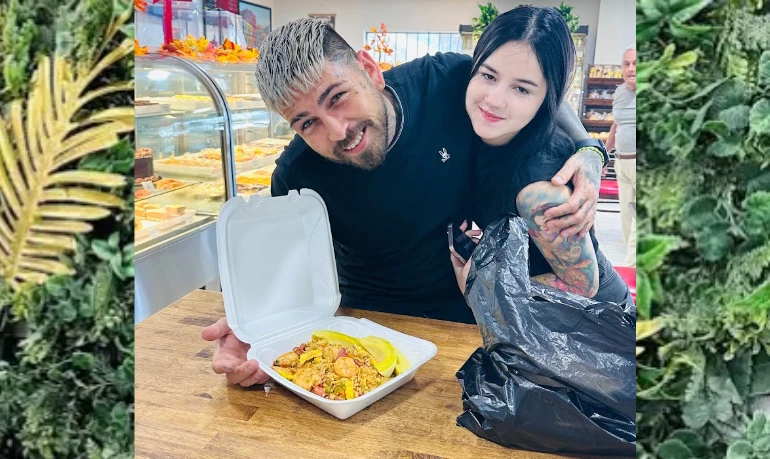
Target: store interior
(204, 135)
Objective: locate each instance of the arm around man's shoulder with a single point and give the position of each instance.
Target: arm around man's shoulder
(454, 65)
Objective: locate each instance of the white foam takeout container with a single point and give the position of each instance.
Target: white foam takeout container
(279, 281)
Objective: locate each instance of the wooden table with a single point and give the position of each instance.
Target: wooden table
(185, 410)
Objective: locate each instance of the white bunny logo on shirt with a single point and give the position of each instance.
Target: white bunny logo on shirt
(444, 155)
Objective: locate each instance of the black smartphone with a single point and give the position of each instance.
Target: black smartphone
(460, 244)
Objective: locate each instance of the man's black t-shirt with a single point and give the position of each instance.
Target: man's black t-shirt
(389, 224)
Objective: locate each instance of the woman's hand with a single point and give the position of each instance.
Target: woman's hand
(577, 215)
(462, 269)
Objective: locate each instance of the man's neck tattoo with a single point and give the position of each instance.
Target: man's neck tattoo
(395, 117)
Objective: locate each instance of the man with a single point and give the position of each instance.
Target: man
(622, 138)
(391, 156)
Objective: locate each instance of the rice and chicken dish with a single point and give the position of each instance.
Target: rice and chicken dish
(339, 367)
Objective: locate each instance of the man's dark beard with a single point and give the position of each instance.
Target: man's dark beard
(374, 154)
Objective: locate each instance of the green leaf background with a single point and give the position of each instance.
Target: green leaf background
(66, 347)
(703, 257)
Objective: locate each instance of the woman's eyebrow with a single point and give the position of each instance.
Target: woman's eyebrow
(519, 80)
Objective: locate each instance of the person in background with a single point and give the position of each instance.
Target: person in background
(521, 71)
(391, 156)
(622, 139)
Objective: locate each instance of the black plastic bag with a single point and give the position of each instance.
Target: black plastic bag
(557, 372)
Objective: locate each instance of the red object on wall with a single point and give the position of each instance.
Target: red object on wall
(167, 22)
(228, 5)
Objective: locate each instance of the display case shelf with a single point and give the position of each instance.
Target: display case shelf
(598, 102)
(597, 123)
(140, 197)
(604, 81)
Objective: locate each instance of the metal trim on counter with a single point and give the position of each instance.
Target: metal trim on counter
(189, 230)
(165, 275)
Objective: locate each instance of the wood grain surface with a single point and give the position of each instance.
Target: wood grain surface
(185, 410)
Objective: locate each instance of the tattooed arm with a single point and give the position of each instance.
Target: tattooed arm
(577, 215)
(572, 258)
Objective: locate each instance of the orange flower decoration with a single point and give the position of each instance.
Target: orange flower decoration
(201, 49)
(231, 52)
(139, 50)
(140, 5)
(380, 42)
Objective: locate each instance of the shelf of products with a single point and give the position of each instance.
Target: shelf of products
(598, 123)
(600, 89)
(613, 82)
(598, 102)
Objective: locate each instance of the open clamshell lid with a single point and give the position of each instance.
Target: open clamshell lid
(276, 263)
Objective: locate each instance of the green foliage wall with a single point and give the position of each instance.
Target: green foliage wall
(66, 347)
(703, 113)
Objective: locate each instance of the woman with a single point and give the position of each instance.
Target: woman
(521, 70)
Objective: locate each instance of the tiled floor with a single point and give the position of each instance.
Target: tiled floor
(609, 233)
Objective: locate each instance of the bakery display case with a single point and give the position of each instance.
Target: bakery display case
(203, 136)
(259, 135)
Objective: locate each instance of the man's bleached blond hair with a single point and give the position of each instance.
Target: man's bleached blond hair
(292, 57)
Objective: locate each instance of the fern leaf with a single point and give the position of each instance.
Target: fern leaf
(82, 195)
(42, 251)
(104, 179)
(50, 240)
(77, 211)
(45, 266)
(43, 205)
(62, 226)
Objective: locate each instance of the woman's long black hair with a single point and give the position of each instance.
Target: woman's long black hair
(545, 30)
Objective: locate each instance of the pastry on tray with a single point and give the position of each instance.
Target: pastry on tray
(215, 191)
(257, 177)
(168, 184)
(173, 211)
(254, 180)
(155, 214)
(159, 213)
(188, 159)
